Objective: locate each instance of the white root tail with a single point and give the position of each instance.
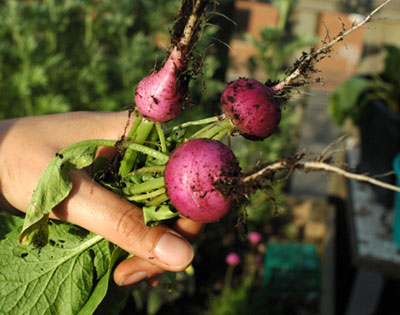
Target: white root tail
(315, 166)
(311, 56)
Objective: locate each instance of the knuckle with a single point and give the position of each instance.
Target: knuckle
(129, 227)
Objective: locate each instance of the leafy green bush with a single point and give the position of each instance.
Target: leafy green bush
(351, 97)
(277, 45)
(58, 56)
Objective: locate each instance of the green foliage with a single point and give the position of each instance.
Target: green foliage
(350, 97)
(392, 64)
(277, 45)
(173, 286)
(345, 101)
(58, 56)
(235, 301)
(42, 281)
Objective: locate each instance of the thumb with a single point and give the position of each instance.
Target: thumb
(99, 210)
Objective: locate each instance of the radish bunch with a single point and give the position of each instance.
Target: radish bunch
(196, 165)
(167, 172)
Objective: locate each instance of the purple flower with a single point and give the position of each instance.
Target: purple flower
(255, 238)
(232, 259)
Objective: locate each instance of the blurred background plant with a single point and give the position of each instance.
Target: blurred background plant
(278, 45)
(59, 56)
(239, 286)
(352, 96)
(372, 103)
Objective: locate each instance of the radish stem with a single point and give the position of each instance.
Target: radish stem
(161, 137)
(148, 169)
(145, 186)
(213, 129)
(198, 122)
(157, 200)
(139, 135)
(148, 195)
(148, 151)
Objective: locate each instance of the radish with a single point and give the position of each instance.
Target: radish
(190, 174)
(161, 96)
(252, 108)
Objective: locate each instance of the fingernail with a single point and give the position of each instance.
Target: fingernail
(174, 251)
(133, 278)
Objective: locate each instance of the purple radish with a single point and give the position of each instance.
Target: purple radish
(190, 174)
(160, 96)
(252, 107)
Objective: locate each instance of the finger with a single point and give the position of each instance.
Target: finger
(134, 270)
(87, 125)
(188, 228)
(101, 211)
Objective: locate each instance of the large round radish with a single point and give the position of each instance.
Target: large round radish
(191, 172)
(252, 108)
(161, 95)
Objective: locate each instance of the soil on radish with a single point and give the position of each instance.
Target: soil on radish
(181, 21)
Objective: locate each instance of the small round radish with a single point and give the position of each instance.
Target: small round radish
(161, 95)
(191, 172)
(252, 108)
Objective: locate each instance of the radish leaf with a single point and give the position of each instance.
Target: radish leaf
(53, 187)
(67, 276)
(153, 215)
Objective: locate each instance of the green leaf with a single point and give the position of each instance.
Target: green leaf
(392, 63)
(101, 288)
(8, 223)
(344, 102)
(65, 277)
(154, 214)
(54, 186)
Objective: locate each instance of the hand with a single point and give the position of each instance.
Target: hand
(28, 144)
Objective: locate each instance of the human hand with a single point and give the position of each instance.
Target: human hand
(28, 144)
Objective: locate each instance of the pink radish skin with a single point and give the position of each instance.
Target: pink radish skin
(190, 173)
(160, 96)
(252, 108)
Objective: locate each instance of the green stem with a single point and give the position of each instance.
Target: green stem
(91, 142)
(211, 130)
(148, 169)
(134, 147)
(141, 133)
(251, 272)
(157, 200)
(228, 278)
(161, 137)
(152, 143)
(134, 127)
(145, 186)
(148, 195)
(220, 135)
(197, 122)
